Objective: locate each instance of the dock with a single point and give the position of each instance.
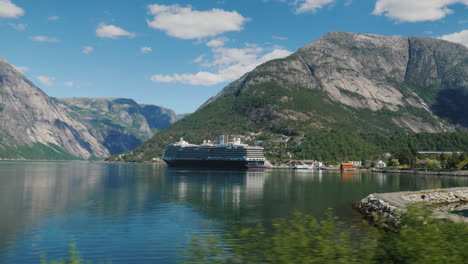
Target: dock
(386, 209)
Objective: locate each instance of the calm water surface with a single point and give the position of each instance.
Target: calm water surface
(140, 213)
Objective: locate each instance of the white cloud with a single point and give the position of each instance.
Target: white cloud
(198, 59)
(10, 10)
(44, 39)
(229, 64)
(53, 18)
(146, 49)
(22, 69)
(186, 23)
(111, 31)
(19, 26)
(416, 10)
(200, 78)
(69, 84)
(215, 43)
(457, 37)
(87, 50)
(218, 42)
(45, 80)
(304, 6)
(310, 5)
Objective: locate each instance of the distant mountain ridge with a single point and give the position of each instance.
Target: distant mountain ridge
(354, 83)
(119, 124)
(35, 126)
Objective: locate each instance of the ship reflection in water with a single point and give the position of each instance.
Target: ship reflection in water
(140, 213)
(212, 190)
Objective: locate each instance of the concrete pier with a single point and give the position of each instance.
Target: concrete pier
(386, 209)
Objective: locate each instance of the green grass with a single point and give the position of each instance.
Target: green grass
(37, 151)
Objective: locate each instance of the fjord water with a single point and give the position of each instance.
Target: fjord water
(145, 213)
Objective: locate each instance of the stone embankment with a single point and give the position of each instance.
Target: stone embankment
(387, 209)
(444, 173)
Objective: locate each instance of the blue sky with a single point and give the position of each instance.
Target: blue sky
(180, 53)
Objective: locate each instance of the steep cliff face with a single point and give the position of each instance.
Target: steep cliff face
(358, 83)
(158, 117)
(35, 126)
(407, 78)
(32, 125)
(119, 124)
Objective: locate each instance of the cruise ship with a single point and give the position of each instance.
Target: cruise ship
(223, 154)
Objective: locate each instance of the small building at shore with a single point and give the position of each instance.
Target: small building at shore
(347, 166)
(356, 163)
(380, 164)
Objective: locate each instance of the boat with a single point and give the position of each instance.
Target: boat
(223, 154)
(302, 167)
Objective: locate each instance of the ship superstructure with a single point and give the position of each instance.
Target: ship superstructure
(224, 154)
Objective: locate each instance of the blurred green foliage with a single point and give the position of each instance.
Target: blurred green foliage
(302, 238)
(305, 239)
(423, 239)
(73, 257)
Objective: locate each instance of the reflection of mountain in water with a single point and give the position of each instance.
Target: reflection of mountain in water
(31, 192)
(248, 196)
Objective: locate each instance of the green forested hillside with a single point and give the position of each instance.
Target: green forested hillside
(344, 96)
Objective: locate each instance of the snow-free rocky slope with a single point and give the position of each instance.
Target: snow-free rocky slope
(119, 124)
(357, 83)
(35, 126)
(31, 122)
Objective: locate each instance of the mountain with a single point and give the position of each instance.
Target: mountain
(346, 89)
(32, 125)
(35, 126)
(119, 124)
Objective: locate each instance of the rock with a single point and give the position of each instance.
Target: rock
(35, 126)
(29, 117)
(360, 83)
(119, 124)
(365, 71)
(381, 212)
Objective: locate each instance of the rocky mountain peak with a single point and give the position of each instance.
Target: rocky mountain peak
(371, 72)
(35, 126)
(32, 120)
(352, 88)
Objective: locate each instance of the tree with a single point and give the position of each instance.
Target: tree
(394, 163)
(405, 158)
(433, 164)
(443, 160)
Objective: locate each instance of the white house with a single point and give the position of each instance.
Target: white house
(318, 165)
(380, 164)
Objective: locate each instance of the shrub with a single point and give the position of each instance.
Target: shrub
(304, 239)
